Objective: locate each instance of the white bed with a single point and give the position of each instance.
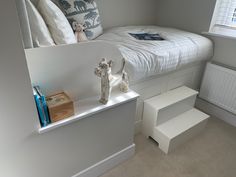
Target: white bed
(144, 58)
(150, 58)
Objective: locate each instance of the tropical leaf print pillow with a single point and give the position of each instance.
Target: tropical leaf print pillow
(84, 12)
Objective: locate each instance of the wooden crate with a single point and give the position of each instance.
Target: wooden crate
(60, 106)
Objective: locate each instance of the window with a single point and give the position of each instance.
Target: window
(224, 18)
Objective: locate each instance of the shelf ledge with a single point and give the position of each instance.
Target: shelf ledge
(87, 107)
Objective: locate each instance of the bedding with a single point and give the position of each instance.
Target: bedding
(146, 58)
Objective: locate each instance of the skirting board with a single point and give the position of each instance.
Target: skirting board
(108, 163)
(216, 111)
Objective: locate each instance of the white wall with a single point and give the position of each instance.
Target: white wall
(225, 51)
(190, 15)
(195, 16)
(16, 98)
(127, 12)
(16, 105)
(59, 153)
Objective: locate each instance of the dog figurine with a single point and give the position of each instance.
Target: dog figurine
(108, 81)
(79, 31)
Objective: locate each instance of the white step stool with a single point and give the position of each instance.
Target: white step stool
(171, 118)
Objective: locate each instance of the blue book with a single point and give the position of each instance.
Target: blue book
(39, 106)
(147, 36)
(44, 103)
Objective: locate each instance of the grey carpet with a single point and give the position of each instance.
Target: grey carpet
(211, 154)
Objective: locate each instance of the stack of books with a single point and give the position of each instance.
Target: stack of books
(42, 107)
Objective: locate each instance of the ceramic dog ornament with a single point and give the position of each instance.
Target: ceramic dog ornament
(108, 81)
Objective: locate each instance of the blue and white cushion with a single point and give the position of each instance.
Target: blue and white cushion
(84, 12)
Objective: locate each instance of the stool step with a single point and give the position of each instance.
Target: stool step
(178, 130)
(171, 97)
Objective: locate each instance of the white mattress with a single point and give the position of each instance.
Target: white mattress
(149, 58)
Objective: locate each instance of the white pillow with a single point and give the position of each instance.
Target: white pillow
(58, 25)
(40, 35)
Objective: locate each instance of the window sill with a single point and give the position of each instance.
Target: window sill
(219, 35)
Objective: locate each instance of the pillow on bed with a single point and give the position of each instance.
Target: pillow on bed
(40, 35)
(84, 12)
(58, 25)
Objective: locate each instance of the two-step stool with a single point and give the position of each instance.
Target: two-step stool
(171, 119)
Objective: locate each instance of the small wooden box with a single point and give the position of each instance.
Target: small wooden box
(60, 106)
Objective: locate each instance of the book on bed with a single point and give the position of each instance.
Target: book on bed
(147, 36)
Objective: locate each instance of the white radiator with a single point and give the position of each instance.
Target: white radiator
(219, 87)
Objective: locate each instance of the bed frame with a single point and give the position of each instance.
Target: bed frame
(71, 68)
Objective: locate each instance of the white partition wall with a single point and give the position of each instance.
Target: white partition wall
(71, 68)
(18, 113)
(60, 153)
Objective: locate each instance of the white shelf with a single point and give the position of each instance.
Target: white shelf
(171, 97)
(87, 107)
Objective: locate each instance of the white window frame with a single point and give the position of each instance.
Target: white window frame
(218, 29)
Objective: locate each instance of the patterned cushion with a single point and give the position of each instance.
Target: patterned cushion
(84, 12)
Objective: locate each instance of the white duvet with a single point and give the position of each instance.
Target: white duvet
(149, 58)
